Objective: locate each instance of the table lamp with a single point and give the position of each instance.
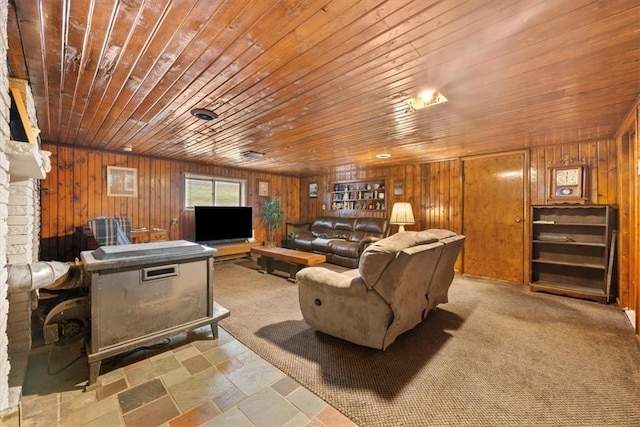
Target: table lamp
(402, 215)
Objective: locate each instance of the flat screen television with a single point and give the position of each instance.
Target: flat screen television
(217, 225)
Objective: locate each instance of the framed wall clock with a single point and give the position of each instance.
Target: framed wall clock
(567, 184)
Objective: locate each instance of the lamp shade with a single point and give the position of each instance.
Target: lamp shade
(402, 215)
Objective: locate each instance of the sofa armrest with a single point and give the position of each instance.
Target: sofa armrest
(302, 234)
(334, 282)
(301, 240)
(367, 241)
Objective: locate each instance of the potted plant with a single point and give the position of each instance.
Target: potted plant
(272, 215)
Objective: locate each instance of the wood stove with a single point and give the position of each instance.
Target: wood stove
(145, 292)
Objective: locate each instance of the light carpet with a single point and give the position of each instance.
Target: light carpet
(495, 355)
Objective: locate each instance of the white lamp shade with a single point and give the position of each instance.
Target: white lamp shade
(402, 215)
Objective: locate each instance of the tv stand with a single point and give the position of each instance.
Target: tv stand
(234, 250)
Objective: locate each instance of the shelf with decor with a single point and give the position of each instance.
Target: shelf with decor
(572, 250)
(368, 195)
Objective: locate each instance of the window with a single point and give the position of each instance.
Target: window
(202, 190)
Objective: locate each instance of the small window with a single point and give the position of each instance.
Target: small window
(213, 191)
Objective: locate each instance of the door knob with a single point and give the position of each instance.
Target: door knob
(518, 219)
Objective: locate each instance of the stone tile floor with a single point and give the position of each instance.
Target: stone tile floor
(191, 380)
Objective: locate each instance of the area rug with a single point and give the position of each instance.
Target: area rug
(495, 355)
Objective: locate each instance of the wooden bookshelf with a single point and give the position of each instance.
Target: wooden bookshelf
(571, 250)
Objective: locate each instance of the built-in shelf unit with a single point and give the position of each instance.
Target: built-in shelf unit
(359, 195)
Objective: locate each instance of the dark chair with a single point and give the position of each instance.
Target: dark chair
(108, 231)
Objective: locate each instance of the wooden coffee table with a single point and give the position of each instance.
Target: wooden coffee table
(274, 258)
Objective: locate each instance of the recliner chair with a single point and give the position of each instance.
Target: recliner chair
(398, 281)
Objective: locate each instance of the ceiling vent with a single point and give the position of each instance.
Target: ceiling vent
(251, 154)
(203, 114)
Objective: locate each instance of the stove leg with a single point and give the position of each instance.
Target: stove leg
(214, 330)
(94, 371)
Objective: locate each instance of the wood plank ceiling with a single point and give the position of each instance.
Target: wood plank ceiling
(320, 85)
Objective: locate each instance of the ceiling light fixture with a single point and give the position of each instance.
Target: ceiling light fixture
(203, 114)
(383, 156)
(426, 99)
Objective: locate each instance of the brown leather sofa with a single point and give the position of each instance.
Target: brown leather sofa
(341, 240)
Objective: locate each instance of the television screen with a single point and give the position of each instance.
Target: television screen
(223, 224)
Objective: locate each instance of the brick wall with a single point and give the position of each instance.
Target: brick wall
(19, 243)
(5, 104)
(21, 248)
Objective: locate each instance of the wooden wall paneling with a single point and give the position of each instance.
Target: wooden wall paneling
(81, 195)
(306, 204)
(418, 187)
(257, 202)
(158, 194)
(595, 173)
(186, 218)
(122, 203)
(175, 202)
(393, 174)
(324, 198)
(126, 203)
(92, 185)
(75, 191)
(130, 204)
(635, 260)
(65, 227)
(150, 196)
(325, 183)
(169, 202)
(456, 197)
(537, 173)
(432, 195)
(628, 181)
(426, 194)
(443, 194)
(135, 203)
(598, 155)
(625, 224)
(49, 209)
(412, 192)
(108, 203)
(101, 173)
(526, 268)
(435, 195)
(441, 189)
(612, 173)
(628, 226)
(292, 187)
(61, 200)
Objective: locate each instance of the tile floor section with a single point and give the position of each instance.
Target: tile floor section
(192, 380)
